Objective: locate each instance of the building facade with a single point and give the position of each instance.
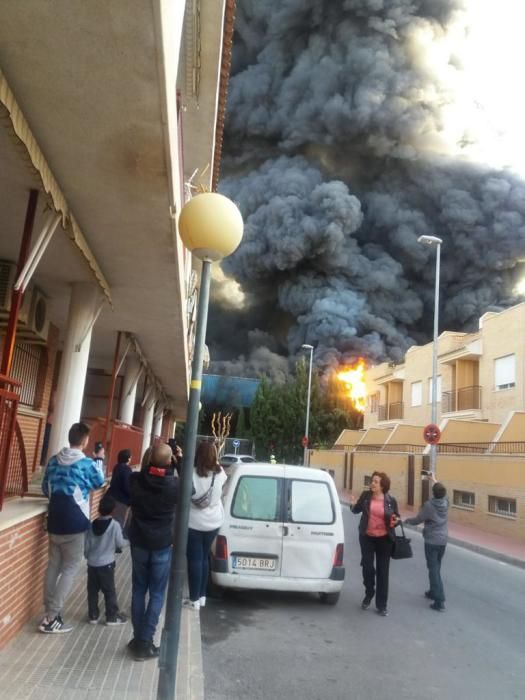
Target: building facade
(481, 376)
(111, 121)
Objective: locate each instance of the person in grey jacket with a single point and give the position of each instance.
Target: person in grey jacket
(434, 515)
(103, 539)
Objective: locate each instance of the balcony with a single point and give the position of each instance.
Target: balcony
(391, 411)
(465, 399)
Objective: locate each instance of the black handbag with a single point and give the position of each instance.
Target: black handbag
(402, 547)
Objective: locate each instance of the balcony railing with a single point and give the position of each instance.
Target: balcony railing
(391, 411)
(464, 399)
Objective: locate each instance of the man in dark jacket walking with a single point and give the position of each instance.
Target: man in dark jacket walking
(153, 495)
(119, 487)
(434, 515)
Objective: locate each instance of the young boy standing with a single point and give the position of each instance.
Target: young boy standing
(103, 539)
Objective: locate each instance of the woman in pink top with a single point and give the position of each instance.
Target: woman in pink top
(379, 517)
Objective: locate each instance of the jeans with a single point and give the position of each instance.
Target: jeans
(65, 556)
(102, 578)
(197, 552)
(150, 575)
(376, 579)
(434, 553)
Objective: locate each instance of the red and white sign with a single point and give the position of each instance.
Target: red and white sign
(431, 434)
(304, 441)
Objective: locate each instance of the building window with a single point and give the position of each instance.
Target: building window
(417, 393)
(438, 393)
(27, 368)
(505, 372)
(464, 499)
(374, 402)
(502, 506)
(367, 480)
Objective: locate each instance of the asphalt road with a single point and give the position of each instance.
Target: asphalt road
(260, 645)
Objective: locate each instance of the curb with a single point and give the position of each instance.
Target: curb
(477, 548)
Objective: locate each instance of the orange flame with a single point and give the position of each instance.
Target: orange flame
(354, 379)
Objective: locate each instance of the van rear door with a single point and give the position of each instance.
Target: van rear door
(254, 525)
(312, 529)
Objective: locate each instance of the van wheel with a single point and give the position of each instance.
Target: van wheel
(329, 598)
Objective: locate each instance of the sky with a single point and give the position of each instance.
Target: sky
(352, 129)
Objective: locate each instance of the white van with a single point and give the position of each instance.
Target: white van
(283, 530)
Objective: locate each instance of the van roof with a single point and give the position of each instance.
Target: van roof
(288, 470)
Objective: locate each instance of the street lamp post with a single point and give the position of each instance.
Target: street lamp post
(307, 427)
(211, 226)
(434, 241)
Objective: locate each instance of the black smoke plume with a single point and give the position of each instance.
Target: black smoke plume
(337, 154)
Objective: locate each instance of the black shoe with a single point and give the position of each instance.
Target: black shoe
(383, 612)
(428, 594)
(119, 619)
(142, 651)
(438, 607)
(366, 602)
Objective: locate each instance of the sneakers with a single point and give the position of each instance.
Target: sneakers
(142, 651)
(383, 612)
(438, 607)
(119, 619)
(192, 604)
(45, 621)
(428, 595)
(202, 601)
(366, 602)
(93, 620)
(56, 626)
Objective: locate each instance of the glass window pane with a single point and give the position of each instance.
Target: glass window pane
(417, 393)
(311, 502)
(257, 498)
(505, 371)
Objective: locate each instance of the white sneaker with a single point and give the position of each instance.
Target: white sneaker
(192, 604)
(202, 601)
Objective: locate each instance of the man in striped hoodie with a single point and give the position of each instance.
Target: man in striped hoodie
(68, 479)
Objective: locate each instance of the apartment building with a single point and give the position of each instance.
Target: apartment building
(481, 376)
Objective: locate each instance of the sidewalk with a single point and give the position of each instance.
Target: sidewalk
(91, 663)
(506, 549)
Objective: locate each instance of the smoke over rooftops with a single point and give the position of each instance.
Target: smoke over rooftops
(340, 154)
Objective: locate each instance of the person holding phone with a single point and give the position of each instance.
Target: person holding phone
(379, 516)
(434, 515)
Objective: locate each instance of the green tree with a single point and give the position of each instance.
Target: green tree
(278, 416)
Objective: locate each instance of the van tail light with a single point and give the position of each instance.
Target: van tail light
(221, 547)
(339, 554)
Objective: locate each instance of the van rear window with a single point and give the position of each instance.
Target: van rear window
(310, 502)
(257, 498)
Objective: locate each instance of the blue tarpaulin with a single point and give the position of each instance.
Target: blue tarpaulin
(234, 392)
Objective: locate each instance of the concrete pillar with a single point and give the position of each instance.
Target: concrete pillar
(158, 422)
(129, 389)
(83, 307)
(147, 424)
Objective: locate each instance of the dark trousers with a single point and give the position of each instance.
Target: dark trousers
(375, 579)
(102, 578)
(197, 552)
(434, 553)
(150, 573)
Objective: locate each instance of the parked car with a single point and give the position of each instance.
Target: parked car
(229, 460)
(283, 530)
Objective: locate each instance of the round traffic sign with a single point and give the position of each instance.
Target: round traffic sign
(236, 443)
(304, 441)
(431, 434)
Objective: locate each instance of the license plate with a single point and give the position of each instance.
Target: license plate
(253, 563)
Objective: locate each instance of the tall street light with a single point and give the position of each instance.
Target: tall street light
(434, 241)
(211, 226)
(307, 427)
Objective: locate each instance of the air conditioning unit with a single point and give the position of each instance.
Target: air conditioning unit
(38, 321)
(7, 282)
